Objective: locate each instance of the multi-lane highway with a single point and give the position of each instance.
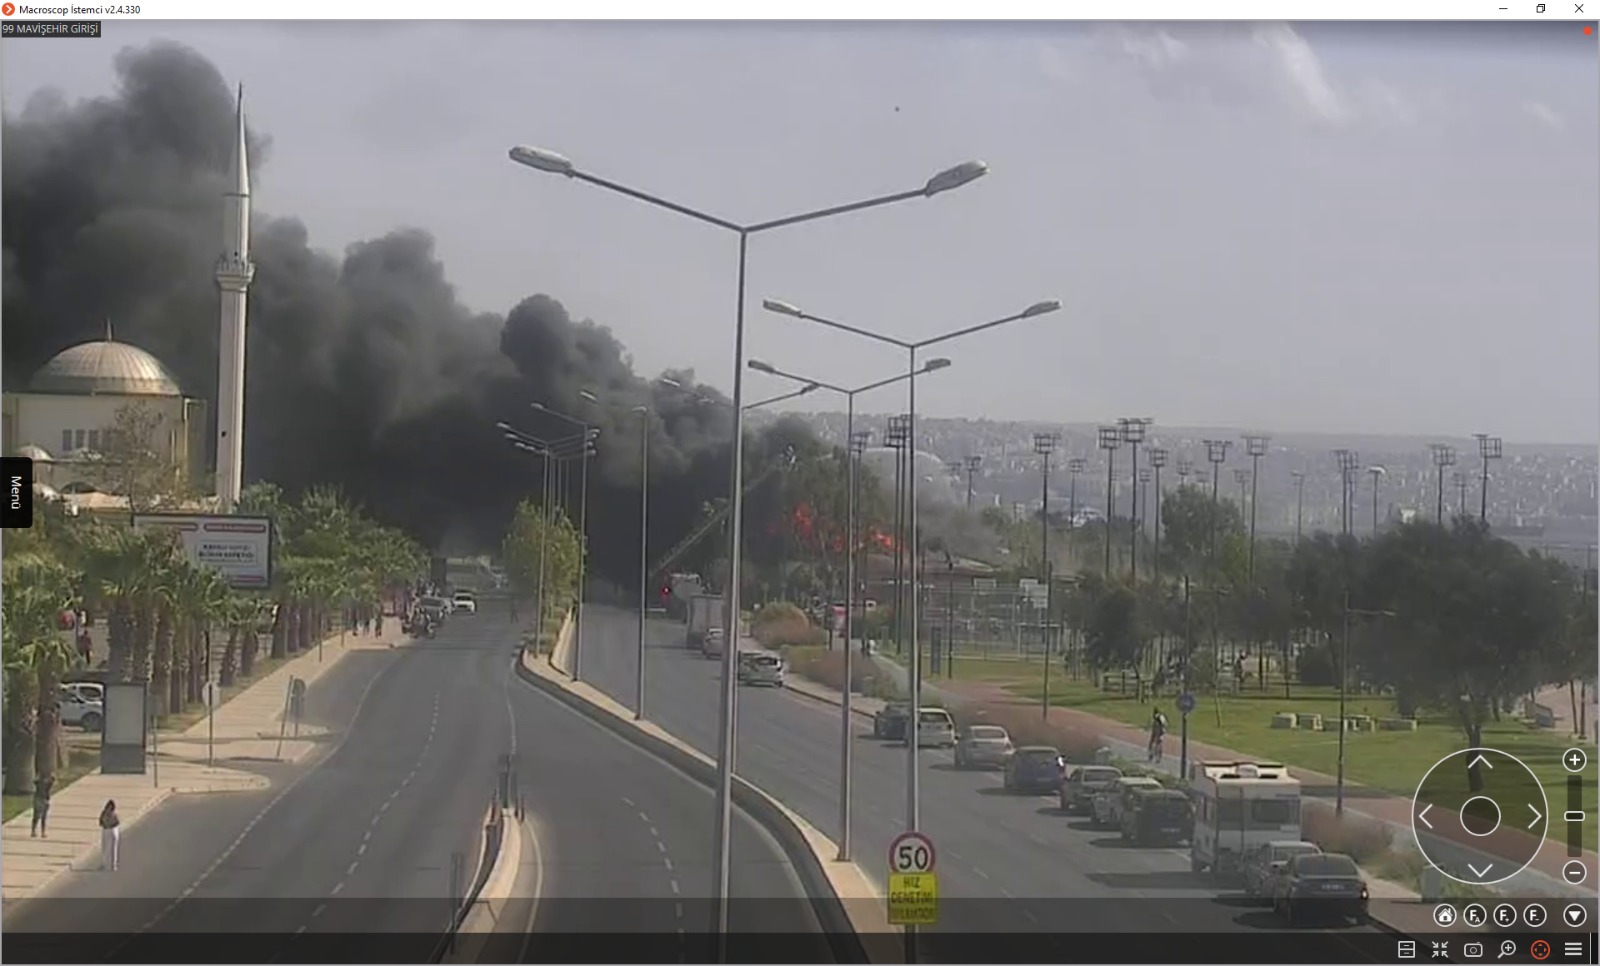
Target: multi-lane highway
(360, 841)
(1007, 863)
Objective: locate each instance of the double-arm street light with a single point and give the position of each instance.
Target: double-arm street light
(846, 725)
(1158, 459)
(1489, 448)
(912, 347)
(805, 390)
(553, 453)
(550, 162)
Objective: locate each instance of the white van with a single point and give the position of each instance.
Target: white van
(935, 728)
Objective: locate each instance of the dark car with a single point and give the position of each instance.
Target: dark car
(1320, 887)
(890, 723)
(1081, 786)
(1157, 816)
(1035, 769)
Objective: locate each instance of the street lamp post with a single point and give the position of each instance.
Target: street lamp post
(1185, 467)
(972, 464)
(550, 162)
(1217, 453)
(1461, 483)
(913, 775)
(643, 412)
(1344, 687)
(1489, 448)
(1377, 473)
(1241, 476)
(1348, 461)
(1158, 459)
(1299, 502)
(857, 443)
(1075, 466)
(1255, 447)
(1133, 431)
(1444, 456)
(1044, 444)
(589, 432)
(556, 454)
(1110, 440)
(894, 437)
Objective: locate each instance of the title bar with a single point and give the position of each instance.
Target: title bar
(843, 10)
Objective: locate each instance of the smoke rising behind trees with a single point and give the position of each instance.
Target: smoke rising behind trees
(364, 371)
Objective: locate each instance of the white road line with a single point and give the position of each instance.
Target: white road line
(1030, 915)
(645, 818)
(661, 847)
(300, 930)
(628, 802)
(337, 889)
(351, 870)
(319, 910)
(667, 863)
(980, 872)
(674, 885)
(362, 849)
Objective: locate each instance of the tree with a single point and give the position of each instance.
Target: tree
(1188, 516)
(540, 544)
(1117, 632)
(133, 462)
(34, 593)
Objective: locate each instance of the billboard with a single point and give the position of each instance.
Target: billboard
(239, 548)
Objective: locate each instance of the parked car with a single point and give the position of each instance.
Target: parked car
(983, 746)
(1035, 769)
(890, 722)
(711, 644)
(1157, 816)
(1109, 803)
(1262, 864)
(1319, 887)
(935, 728)
(83, 705)
(1085, 781)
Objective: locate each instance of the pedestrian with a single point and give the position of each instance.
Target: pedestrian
(86, 647)
(42, 786)
(110, 837)
(1158, 732)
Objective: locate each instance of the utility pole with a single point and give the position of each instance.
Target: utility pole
(1133, 431)
(972, 463)
(1146, 475)
(1217, 453)
(1045, 444)
(1299, 503)
(1489, 448)
(1377, 473)
(1443, 456)
(1255, 447)
(1348, 461)
(1241, 476)
(1460, 480)
(895, 438)
(1110, 440)
(1075, 466)
(1158, 459)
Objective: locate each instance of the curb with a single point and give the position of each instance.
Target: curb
(448, 948)
(825, 699)
(783, 825)
(484, 914)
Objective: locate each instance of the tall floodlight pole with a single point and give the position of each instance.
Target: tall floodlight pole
(1133, 429)
(1459, 479)
(913, 773)
(1217, 454)
(1377, 473)
(1241, 478)
(1255, 447)
(1185, 467)
(1348, 461)
(1299, 479)
(1109, 439)
(1075, 466)
(550, 162)
(1146, 475)
(1158, 459)
(895, 438)
(857, 446)
(972, 464)
(1444, 456)
(1045, 444)
(1489, 448)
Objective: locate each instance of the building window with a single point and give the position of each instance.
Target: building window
(79, 438)
(94, 440)
(66, 441)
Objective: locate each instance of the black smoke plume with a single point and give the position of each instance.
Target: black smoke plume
(363, 371)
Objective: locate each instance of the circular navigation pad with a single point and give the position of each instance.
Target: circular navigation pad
(1480, 816)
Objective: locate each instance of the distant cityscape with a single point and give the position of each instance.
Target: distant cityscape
(1541, 496)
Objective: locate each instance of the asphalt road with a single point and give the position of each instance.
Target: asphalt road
(1006, 863)
(360, 840)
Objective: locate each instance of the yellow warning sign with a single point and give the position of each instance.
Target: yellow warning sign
(913, 898)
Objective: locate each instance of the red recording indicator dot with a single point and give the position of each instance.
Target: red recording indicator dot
(1587, 30)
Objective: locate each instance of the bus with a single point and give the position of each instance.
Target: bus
(1239, 805)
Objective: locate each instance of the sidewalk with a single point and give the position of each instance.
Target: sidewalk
(247, 728)
(1129, 742)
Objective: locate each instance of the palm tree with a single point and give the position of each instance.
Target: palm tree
(36, 591)
(113, 561)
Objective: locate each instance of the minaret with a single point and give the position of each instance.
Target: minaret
(234, 272)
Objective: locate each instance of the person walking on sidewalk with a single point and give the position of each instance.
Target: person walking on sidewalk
(1158, 734)
(42, 786)
(110, 837)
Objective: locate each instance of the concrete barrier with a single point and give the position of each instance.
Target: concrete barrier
(561, 653)
(503, 905)
(850, 910)
(489, 852)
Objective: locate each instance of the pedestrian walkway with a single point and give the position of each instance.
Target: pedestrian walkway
(246, 728)
(1128, 741)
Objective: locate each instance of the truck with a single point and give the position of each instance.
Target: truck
(705, 611)
(1238, 806)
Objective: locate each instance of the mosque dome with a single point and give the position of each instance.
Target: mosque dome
(105, 367)
(36, 453)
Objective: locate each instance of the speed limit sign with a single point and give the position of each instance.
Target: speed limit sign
(911, 854)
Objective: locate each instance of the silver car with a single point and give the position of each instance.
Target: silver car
(83, 705)
(760, 668)
(983, 746)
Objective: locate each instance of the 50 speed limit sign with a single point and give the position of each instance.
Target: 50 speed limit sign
(911, 854)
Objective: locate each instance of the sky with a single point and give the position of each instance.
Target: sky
(1328, 227)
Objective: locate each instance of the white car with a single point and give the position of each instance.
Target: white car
(464, 603)
(935, 728)
(711, 645)
(84, 705)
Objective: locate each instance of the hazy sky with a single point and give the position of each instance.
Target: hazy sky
(1324, 227)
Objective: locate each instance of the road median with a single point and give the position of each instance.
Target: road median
(847, 905)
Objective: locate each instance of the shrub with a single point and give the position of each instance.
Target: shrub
(1362, 839)
(1027, 727)
(1315, 666)
(826, 667)
(782, 624)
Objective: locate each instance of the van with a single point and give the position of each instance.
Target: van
(935, 728)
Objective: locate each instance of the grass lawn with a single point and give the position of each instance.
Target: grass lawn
(1393, 761)
(80, 762)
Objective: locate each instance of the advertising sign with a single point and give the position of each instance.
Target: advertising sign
(239, 548)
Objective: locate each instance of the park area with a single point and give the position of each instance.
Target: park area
(1390, 761)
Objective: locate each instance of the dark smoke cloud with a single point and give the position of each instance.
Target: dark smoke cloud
(364, 371)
